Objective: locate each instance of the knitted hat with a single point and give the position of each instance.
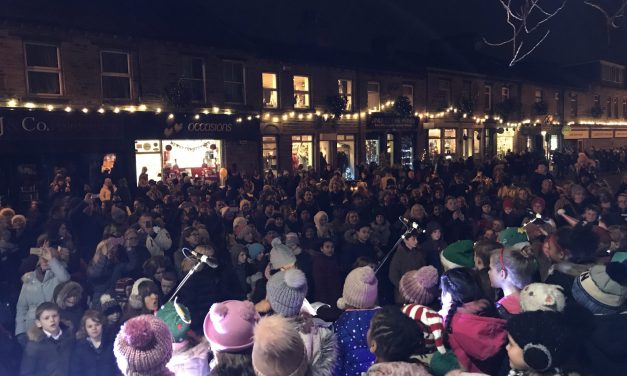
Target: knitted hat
(513, 235)
(177, 318)
(544, 337)
(281, 255)
(135, 300)
(457, 255)
(441, 364)
(360, 289)
(420, 286)
(278, 349)
(291, 239)
(286, 292)
(254, 249)
(108, 305)
(143, 346)
(508, 203)
(542, 297)
(229, 325)
(430, 323)
(602, 289)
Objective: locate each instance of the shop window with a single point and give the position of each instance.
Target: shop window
(234, 83)
(302, 152)
(270, 87)
(435, 142)
(116, 75)
(43, 69)
(269, 153)
(476, 146)
(450, 141)
(444, 94)
(301, 92)
(505, 141)
(345, 159)
(372, 151)
(193, 79)
(597, 100)
(374, 96)
(573, 105)
(345, 89)
(487, 97)
(407, 151)
(554, 142)
(539, 96)
(390, 148)
(408, 92)
(325, 154)
(504, 93)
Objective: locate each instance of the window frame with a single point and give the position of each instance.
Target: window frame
(538, 95)
(411, 99)
(243, 83)
(128, 75)
(368, 91)
(40, 69)
(307, 92)
(275, 89)
(349, 95)
(182, 78)
(487, 93)
(505, 93)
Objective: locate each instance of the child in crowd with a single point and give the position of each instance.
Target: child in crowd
(229, 329)
(278, 349)
(93, 352)
(50, 344)
(189, 355)
(68, 296)
(144, 299)
(457, 255)
(473, 332)
(358, 302)
(393, 338)
(112, 311)
(434, 245)
(482, 251)
(326, 273)
(168, 284)
(511, 271)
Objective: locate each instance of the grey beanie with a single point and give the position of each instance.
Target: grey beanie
(281, 255)
(286, 292)
(602, 289)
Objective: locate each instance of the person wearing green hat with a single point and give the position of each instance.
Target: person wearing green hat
(512, 236)
(190, 353)
(458, 254)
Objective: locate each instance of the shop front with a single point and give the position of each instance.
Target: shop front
(392, 140)
(461, 138)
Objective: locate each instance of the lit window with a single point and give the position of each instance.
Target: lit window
(43, 69)
(573, 104)
(345, 89)
(504, 93)
(301, 92)
(374, 96)
(270, 90)
(408, 92)
(193, 78)
(116, 75)
(539, 96)
(234, 82)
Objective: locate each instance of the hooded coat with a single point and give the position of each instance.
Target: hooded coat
(320, 346)
(191, 359)
(72, 314)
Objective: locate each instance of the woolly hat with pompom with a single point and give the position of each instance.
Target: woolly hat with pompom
(286, 291)
(602, 289)
(420, 286)
(360, 289)
(229, 325)
(143, 346)
(280, 255)
(278, 349)
(108, 305)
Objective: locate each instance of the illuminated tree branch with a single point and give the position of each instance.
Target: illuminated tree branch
(610, 17)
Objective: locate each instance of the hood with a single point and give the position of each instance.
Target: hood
(478, 336)
(397, 368)
(36, 334)
(569, 268)
(69, 288)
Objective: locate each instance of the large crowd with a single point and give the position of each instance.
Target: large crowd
(453, 267)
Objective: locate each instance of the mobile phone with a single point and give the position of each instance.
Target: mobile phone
(95, 196)
(35, 251)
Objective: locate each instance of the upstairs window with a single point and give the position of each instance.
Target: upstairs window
(234, 86)
(408, 92)
(612, 73)
(444, 93)
(539, 96)
(193, 78)
(43, 69)
(270, 90)
(487, 97)
(374, 96)
(504, 93)
(301, 92)
(345, 89)
(116, 75)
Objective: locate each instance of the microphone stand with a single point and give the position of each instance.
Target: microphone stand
(187, 276)
(409, 229)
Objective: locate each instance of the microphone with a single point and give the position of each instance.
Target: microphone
(407, 223)
(202, 258)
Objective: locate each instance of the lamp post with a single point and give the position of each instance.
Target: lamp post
(546, 154)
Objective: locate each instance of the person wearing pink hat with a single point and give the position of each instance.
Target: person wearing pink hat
(229, 329)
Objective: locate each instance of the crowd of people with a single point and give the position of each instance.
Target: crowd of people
(455, 267)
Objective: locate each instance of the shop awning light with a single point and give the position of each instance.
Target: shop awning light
(101, 110)
(142, 107)
(85, 110)
(227, 112)
(215, 110)
(29, 105)
(249, 118)
(12, 102)
(68, 109)
(50, 107)
(206, 112)
(171, 116)
(158, 110)
(196, 116)
(116, 110)
(275, 119)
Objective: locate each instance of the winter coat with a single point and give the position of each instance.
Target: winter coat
(352, 251)
(159, 242)
(45, 356)
(320, 345)
(190, 360)
(403, 261)
(564, 273)
(397, 369)
(88, 360)
(104, 273)
(508, 306)
(73, 314)
(477, 341)
(327, 277)
(202, 289)
(605, 351)
(351, 329)
(381, 233)
(432, 249)
(34, 293)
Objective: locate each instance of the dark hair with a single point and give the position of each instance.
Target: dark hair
(233, 363)
(579, 242)
(169, 276)
(93, 315)
(396, 335)
(152, 264)
(483, 249)
(45, 306)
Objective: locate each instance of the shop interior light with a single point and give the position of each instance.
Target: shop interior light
(12, 102)
(116, 110)
(142, 107)
(101, 110)
(68, 109)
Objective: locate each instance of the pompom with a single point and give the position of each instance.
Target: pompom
(218, 312)
(139, 334)
(248, 312)
(295, 278)
(105, 298)
(276, 242)
(275, 334)
(368, 276)
(427, 276)
(617, 271)
(341, 304)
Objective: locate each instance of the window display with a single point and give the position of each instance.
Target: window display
(346, 156)
(407, 151)
(450, 141)
(372, 151)
(505, 142)
(390, 149)
(269, 153)
(434, 141)
(302, 152)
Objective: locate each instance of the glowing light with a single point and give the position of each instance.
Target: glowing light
(300, 116)
(249, 118)
(101, 110)
(196, 117)
(275, 119)
(12, 103)
(131, 109)
(215, 110)
(85, 110)
(227, 112)
(206, 112)
(158, 110)
(29, 105)
(171, 116)
(239, 120)
(116, 110)
(50, 107)
(284, 117)
(142, 107)
(68, 109)
(309, 116)
(292, 114)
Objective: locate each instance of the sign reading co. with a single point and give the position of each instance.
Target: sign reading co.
(28, 124)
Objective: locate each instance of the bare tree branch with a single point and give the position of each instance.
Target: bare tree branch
(610, 17)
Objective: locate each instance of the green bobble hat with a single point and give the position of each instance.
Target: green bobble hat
(513, 235)
(177, 318)
(457, 255)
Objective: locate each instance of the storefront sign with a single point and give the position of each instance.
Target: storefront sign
(576, 134)
(602, 134)
(620, 133)
(385, 121)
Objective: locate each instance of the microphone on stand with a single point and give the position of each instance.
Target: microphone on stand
(407, 223)
(202, 258)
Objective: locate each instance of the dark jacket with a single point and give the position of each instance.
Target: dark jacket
(327, 277)
(403, 261)
(202, 290)
(45, 356)
(87, 360)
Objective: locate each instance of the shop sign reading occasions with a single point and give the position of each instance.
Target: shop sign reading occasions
(392, 122)
(212, 126)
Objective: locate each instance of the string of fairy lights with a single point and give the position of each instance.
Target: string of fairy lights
(277, 116)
